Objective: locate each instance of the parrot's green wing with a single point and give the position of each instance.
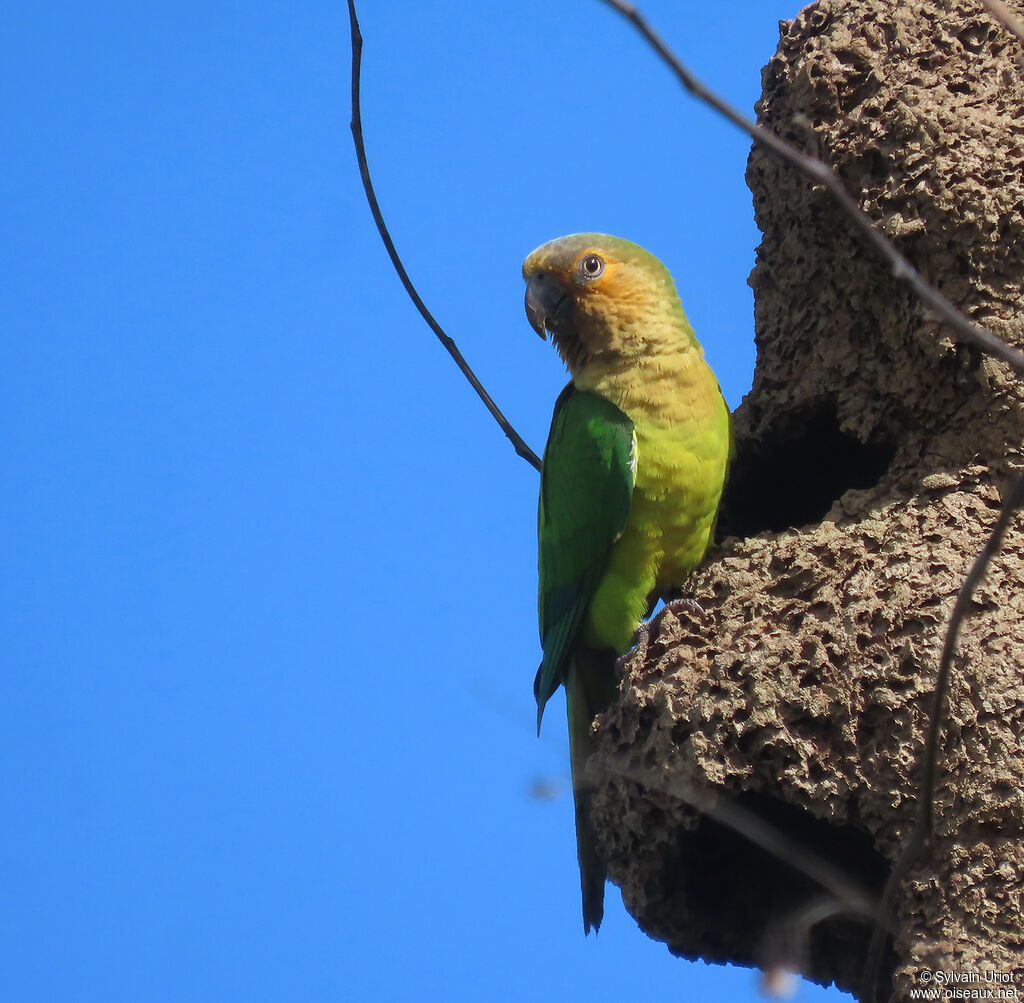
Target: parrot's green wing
(585, 488)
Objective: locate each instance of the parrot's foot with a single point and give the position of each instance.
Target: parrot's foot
(642, 635)
(637, 647)
(623, 660)
(642, 638)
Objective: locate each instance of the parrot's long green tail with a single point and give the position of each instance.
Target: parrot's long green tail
(589, 688)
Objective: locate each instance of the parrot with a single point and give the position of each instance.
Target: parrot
(631, 477)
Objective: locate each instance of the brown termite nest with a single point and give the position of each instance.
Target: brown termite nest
(872, 455)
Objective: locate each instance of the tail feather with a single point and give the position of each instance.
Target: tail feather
(589, 687)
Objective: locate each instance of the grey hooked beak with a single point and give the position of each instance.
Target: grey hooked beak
(547, 304)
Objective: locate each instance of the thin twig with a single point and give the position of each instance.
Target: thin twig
(1006, 17)
(785, 947)
(820, 173)
(929, 761)
(517, 441)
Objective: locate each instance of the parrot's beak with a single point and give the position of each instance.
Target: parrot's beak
(548, 307)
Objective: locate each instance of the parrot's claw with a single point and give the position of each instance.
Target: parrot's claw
(688, 605)
(642, 635)
(622, 661)
(641, 639)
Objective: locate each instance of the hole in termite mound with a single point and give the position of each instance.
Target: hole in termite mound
(795, 472)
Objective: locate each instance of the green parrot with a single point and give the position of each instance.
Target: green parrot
(632, 474)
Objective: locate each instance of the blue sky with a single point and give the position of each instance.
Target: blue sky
(266, 720)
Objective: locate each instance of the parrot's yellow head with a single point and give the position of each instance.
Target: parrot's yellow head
(602, 298)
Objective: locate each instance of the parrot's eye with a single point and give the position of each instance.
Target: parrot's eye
(591, 266)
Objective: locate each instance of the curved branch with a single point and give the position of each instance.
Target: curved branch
(929, 761)
(821, 174)
(518, 443)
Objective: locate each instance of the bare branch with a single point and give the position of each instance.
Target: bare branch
(1013, 24)
(821, 174)
(517, 441)
(929, 760)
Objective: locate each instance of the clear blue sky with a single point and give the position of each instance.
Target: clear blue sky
(266, 719)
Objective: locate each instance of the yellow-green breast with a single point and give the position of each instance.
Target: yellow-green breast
(682, 448)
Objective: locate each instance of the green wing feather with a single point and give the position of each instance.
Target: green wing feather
(585, 490)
